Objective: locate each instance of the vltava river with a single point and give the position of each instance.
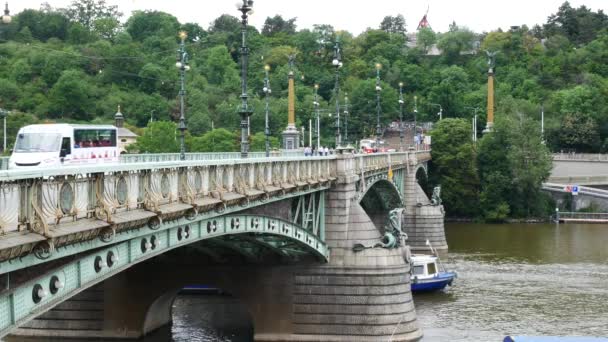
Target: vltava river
(520, 279)
(513, 279)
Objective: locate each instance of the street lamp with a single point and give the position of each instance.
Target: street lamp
(267, 91)
(401, 102)
(378, 90)
(4, 113)
(440, 110)
(317, 123)
(245, 112)
(346, 118)
(337, 63)
(182, 65)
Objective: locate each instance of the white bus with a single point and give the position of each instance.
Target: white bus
(55, 145)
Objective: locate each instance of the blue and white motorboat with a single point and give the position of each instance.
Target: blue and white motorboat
(428, 274)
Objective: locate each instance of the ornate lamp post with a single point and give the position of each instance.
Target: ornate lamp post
(182, 65)
(317, 118)
(245, 112)
(401, 102)
(337, 63)
(346, 118)
(378, 109)
(267, 91)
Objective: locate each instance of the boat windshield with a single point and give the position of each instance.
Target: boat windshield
(418, 270)
(37, 142)
(431, 267)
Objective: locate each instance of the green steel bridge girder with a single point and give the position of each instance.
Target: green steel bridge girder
(30, 260)
(36, 296)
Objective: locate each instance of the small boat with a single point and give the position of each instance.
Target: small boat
(428, 274)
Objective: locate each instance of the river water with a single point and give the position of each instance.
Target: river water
(521, 279)
(514, 279)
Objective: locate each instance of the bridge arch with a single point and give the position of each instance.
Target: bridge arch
(421, 177)
(379, 198)
(36, 296)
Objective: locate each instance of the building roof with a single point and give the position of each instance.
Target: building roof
(125, 133)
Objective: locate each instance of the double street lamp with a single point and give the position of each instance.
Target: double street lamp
(245, 112)
(182, 65)
(337, 63)
(267, 91)
(378, 90)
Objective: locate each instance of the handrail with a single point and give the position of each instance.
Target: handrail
(584, 190)
(581, 157)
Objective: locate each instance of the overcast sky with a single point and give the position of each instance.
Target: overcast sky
(354, 15)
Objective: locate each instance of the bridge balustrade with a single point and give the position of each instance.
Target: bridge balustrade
(72, 204)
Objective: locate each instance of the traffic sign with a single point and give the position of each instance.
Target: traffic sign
(575, 190)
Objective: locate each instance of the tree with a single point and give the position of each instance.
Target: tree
(513, 163)
(393, 25)
(276, 24)
(579, 25)
(579, 132)
(425, 38)
(43, 25)
(72, 96)
(217, 140)
(158, 137)
(258, 142)
(453, 43)
(143, 24)
(87, 12)
(454, 167)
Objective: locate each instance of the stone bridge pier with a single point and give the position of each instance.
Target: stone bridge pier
(422, 220)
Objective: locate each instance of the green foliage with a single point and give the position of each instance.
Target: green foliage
(258, 142)
(393, 25)
(277, 25)
(217, 140)
(513, 163)
(78, 64)
(159, 137)
(454, 167)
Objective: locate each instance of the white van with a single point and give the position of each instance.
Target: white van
(55, 145)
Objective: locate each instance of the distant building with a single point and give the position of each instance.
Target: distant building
(124, 136)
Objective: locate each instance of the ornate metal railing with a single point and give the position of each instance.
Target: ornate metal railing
(203, 156)
(71, 204)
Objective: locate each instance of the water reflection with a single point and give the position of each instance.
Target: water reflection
(520, 279)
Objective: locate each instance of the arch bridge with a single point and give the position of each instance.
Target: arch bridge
(293, 219)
